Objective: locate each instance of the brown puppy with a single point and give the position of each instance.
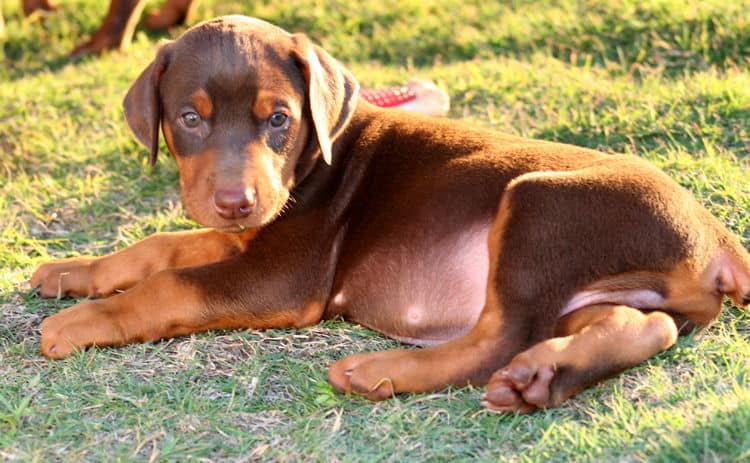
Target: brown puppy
(549, 265)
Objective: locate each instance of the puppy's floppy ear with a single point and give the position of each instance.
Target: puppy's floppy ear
(143, 104)
(331, 92)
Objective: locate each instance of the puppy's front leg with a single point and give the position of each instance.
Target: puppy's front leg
(176, 302)
(258, 288)
(102, 276)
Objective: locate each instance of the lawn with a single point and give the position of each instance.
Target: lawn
(667, 80)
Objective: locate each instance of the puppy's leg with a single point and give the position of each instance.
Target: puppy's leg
(269, 285)
(172, 13)
(177, 302)
(595, 342)
(116, 31)
(29, 6)
(102, 276)
(467, 360)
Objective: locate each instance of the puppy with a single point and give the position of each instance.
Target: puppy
(536, 267)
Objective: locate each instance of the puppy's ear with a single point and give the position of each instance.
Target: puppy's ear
(331, 92)
(143, 104)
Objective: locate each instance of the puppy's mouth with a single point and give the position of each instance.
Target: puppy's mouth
(265, 213)
(236, 228)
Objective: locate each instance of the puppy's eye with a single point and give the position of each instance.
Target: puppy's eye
(277, 119)
(191, 119)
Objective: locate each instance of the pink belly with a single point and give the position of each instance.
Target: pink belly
(423, 293)
(645, 299)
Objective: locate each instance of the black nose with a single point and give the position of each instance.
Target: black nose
(235, 203)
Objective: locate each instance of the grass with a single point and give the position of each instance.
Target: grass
(665, 80)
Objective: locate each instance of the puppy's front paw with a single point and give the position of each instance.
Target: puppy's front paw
(67, 278)
(373, 376)
(80, 326)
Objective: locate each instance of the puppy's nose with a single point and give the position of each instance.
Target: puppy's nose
(235, 203)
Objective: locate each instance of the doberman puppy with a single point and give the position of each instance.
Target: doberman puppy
(536, 268)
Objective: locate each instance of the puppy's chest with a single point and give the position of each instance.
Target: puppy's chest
(420, 285)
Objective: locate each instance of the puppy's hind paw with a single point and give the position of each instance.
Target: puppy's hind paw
(519, 387)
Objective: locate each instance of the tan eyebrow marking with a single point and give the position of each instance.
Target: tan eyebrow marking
(264, 105)
(202, 103)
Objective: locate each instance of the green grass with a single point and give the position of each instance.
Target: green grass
(666, 81)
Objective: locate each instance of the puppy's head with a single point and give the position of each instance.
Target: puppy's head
(242, 105)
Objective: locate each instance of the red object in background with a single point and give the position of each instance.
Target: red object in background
(388, 97)
(421, 96)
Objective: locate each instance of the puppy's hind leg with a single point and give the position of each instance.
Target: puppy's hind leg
(524, 297)
(595, 342)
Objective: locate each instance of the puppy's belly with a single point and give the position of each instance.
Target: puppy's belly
(427, 292)
(421, 291)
